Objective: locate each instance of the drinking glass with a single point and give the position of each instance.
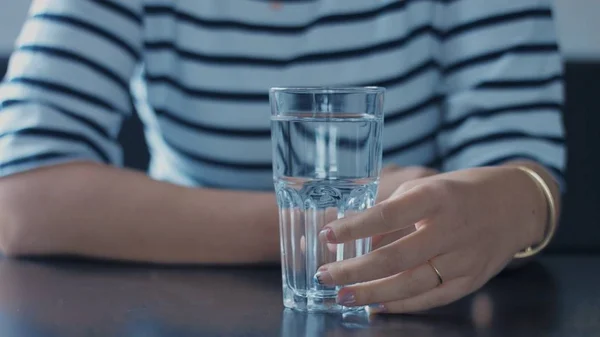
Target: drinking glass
(326, 165)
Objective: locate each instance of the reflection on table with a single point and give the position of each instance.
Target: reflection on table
(93, 299)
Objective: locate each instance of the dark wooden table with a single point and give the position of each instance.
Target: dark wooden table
(558, 296)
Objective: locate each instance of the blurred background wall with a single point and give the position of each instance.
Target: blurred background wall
(579, 34)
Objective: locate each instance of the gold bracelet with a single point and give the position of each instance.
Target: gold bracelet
(551, 223)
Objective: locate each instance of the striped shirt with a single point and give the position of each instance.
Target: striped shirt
(469, 82)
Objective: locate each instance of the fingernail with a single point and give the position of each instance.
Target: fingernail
(327, 235)
(346, 298)
(375, 308)
(323, 278)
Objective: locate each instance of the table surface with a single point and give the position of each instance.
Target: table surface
(557, 296)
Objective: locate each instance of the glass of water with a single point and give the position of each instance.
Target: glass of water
(326, 165)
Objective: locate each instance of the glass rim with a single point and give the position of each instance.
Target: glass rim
(328, 90)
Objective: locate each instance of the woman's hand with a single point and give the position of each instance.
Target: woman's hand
(467, 224)
(393, 176)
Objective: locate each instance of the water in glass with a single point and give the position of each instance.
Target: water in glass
(324, 168)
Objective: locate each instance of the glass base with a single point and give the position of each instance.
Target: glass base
(308, 303)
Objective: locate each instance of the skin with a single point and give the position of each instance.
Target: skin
(468, 224)
(99, 211)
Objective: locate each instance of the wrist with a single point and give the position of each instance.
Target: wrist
(533, 209)
(544, 208)
(540, 223)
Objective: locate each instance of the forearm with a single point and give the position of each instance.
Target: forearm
(100, 211)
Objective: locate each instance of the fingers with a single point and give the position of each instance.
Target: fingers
(401, 286)
(385, 217)
(384, 240)
(449, 292)
(404, 254)
(319, 217)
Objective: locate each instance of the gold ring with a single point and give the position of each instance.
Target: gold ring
(437, 272)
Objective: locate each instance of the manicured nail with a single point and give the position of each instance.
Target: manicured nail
(323, 278)
(346, 298)
(376, 308)
(327, 235)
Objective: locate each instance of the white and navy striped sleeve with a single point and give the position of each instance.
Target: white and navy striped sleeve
(503, 85)
(66, 91)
